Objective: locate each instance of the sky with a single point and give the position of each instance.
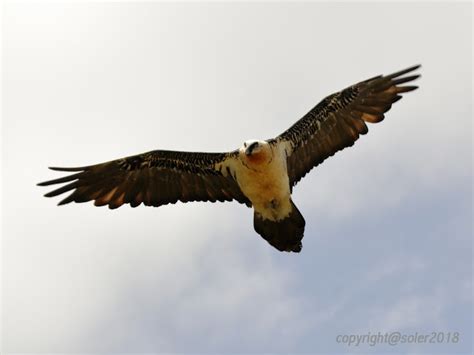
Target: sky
(388, 241)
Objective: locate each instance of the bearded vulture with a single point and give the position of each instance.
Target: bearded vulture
(260, 174)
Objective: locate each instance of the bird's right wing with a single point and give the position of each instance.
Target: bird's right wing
(155, 178)
(338, 120)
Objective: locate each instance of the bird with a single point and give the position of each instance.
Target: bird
(260, 174)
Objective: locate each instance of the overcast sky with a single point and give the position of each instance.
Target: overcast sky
(387, 245)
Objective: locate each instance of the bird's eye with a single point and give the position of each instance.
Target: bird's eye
(254, 145)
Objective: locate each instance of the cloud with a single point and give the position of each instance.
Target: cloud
(202, 295)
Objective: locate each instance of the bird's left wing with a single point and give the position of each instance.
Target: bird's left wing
(338, 120)
(155, 178)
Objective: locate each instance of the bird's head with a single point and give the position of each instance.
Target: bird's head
(251, 147)
(255, 150)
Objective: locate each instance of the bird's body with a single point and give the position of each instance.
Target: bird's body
(263, 178)
(261, 174)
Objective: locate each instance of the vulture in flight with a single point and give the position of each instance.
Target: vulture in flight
(260, 174)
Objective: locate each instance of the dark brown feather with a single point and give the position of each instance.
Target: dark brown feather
(154, 178)
(338, 120)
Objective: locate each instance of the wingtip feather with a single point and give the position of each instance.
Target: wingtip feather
(404, 71)
(56, 168)
(402, 89)
(406, 79)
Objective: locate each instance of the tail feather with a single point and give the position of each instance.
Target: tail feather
(285, 234)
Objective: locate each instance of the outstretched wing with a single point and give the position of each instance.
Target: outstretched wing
(338, 120)
(155, 178)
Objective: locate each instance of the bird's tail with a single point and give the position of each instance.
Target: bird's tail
(285, 234)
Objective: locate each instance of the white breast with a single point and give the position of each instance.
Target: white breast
(266, 184)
